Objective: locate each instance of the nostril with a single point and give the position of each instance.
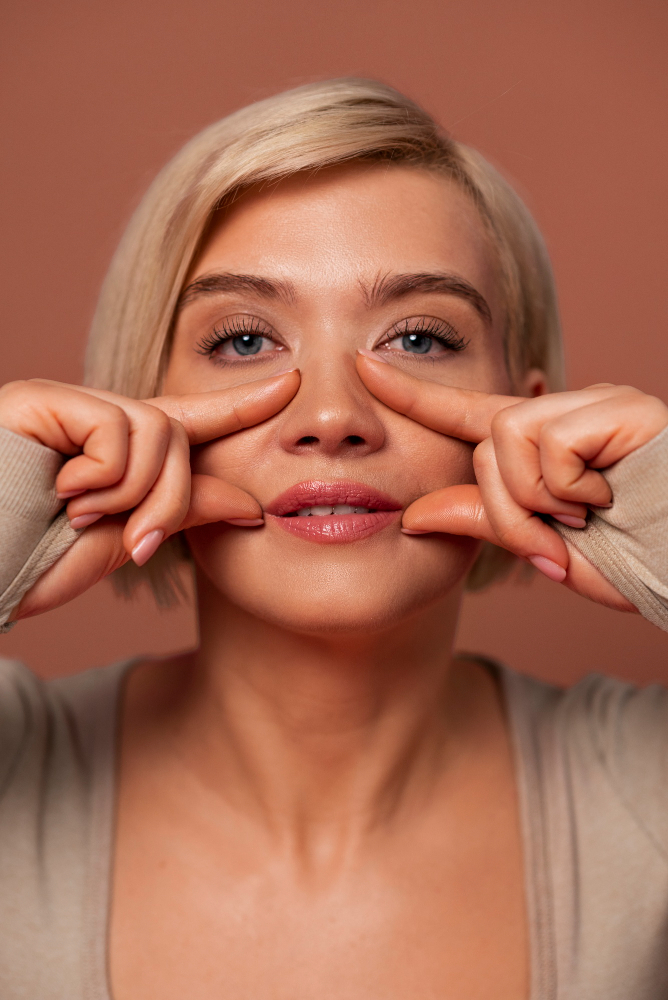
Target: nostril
(308, 440)
(354, 439)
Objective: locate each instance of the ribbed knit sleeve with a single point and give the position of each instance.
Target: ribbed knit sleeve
(33, 534)
(628, 542)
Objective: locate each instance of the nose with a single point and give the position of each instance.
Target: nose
(333, 413)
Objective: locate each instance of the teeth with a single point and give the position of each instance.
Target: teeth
(339, 508)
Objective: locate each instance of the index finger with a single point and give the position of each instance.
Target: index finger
(462, 413)
(208, 415)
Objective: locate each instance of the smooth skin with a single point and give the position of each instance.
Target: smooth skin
(320, 800)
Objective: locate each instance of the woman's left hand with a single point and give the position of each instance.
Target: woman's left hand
(532, 456)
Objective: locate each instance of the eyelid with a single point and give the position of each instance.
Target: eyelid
(430, 326)
(235, 326)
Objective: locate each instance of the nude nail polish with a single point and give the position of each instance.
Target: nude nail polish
(83, 520)
(68, 494)
(370, 354)
(412, 531)
(147, 547)
(551, 569)
(570, 521)
(246, 522)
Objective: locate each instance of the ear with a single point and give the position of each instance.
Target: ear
(533, 383)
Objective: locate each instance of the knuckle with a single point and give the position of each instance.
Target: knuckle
(115, 417)
(509, 536)
(508, 421)
(14, 387)
(483, 455)
(529, 495)
(656, 408)
(178, 432)
(555, 436)
(159, 419)
(19, 393)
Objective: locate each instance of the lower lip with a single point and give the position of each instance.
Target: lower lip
(333, 529)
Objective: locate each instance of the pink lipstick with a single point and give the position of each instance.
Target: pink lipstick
(333, 512)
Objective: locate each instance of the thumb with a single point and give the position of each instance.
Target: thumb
(455, 510)
(213, 499)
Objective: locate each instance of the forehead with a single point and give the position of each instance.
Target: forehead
(350, 224)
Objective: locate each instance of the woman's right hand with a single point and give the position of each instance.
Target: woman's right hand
(132, 456)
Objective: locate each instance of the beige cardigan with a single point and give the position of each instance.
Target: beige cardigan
(591, 764)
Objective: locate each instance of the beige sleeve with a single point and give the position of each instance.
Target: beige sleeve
(628, 542)
(33, 534)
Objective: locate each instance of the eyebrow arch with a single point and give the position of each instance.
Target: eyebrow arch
(394, 286)
(214, 284)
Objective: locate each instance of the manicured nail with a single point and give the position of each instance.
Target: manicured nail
(147, 547)
(551, 569)
(69, 493)
(572, 522)
(246, 522)
(605, 505)
(411, 531)
(83, 520)
(370, 354)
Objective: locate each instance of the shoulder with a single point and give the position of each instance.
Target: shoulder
(52, 726)
(611, 715)
(603, 739)
(57, 753)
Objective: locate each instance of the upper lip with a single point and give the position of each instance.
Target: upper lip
(317, 493)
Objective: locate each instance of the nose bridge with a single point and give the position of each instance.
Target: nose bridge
(333, 412)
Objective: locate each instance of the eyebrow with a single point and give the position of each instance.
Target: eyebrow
(394, 286)
(384, 289)
(214, 284)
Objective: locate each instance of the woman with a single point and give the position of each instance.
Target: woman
(344, 324)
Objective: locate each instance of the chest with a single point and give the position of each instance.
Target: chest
(437, 913)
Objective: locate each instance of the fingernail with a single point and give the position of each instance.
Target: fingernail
(551, 569)
(604, 505)
(148, 546)
(411, 531)
(69, 493)
(572, 522)
(83, 520)
(370, 354)
(246, 522)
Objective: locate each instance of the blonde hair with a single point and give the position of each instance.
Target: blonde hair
(306, 129)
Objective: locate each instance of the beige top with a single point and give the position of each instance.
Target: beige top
(591, 764)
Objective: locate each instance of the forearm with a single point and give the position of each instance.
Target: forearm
(33, 534)
(628, 542)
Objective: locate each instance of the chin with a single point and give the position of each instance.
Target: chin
(366, 586)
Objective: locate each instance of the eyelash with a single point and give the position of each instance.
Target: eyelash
(429, 326)
(235, 327)
(238, 326)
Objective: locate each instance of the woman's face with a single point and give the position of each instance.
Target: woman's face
(392, 259)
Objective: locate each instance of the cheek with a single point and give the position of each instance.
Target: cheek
(414, 461)
(429, 461)
(245, 459)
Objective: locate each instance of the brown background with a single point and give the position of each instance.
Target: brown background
(569, 98)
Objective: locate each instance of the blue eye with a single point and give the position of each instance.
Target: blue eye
(424, 335)
(247, 343)
(239, 337)
(416, 343)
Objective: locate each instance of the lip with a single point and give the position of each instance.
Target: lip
(333, 528)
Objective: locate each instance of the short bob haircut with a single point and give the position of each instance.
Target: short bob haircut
(302, 130)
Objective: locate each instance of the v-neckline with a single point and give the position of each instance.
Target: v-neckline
(532, 824)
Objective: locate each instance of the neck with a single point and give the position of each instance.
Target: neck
(307, 733)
